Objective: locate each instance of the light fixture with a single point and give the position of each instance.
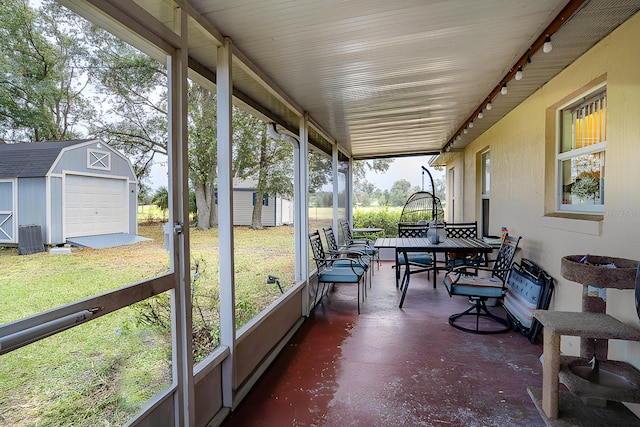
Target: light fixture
(546, 48)
(480, 114)
(465, 131)
(504, 89)
(447, 148)
(458, 137)
(489, 106)
(519, 74)
(470, 124)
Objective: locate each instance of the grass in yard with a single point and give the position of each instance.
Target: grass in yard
(102, 372)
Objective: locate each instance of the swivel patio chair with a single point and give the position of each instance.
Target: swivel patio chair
(331, 270)
(365, 245)
(338, 252)
(478, 290)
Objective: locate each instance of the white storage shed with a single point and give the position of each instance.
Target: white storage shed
(68, 188)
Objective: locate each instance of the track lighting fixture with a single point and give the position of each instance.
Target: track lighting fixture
(480, 114)
(470, 124)
(519, 74)
(465, 131)
(504, 89)
(546, 48)
(458, 138)
(489, 106)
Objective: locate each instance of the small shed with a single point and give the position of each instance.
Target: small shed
(68, 188)
(276, 210)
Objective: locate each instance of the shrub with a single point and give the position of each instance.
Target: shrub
(384, 217)
(205, 299)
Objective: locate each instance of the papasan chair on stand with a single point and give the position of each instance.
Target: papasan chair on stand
(422, 215)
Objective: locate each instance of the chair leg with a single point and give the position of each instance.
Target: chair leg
(480, 309)
(404, 285)
(317, 299)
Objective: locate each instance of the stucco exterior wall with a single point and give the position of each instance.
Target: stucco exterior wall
(523, 171)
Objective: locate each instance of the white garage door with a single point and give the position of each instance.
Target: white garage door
(95, 206)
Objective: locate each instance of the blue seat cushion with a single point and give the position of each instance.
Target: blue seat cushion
(416, 258)
(364, 249)
(339, 275)
(473, 286)
(358, 266)
(357, 256)
(455, 262)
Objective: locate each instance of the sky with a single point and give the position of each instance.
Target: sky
(409, 168)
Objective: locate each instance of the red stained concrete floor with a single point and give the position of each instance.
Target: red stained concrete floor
(395, 367)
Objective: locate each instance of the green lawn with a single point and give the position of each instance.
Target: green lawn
(102, 372)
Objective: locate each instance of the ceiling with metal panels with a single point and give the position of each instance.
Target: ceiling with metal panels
(388, 78)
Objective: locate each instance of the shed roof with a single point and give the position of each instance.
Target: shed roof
(31, 159)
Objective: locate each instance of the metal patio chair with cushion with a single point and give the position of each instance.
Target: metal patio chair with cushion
(364, 245)
(422, 260)
(468, 230)
(331, 270)
(338, 252)
(460, 281)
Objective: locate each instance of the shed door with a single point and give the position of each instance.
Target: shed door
(95, 206)
(7, 211)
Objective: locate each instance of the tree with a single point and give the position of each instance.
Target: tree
(440, 190)
(133, 86)
(399, 193)
(161, 199)
(361, 167)
(363, 192)
(42, 80)
(319, 171)
(266, 160)
(203, 153)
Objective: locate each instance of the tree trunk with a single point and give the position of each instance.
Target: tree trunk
(204, 195)
(213, 208)
(256, 217)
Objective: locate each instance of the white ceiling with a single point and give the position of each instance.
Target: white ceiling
(385, 77)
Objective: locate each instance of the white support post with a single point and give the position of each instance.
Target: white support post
(224, 86)
(301, 220)
(336, 185)
(349, 196)
(179, 219)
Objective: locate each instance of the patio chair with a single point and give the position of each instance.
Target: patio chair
(331, 270)
(468, 230)
(460, 281)
(422, 260)
(365, 245)
(338, 252)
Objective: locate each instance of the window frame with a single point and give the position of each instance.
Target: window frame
(588, 96)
